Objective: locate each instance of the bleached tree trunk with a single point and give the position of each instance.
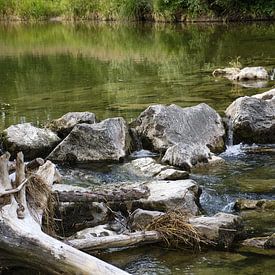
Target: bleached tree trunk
(22, 242)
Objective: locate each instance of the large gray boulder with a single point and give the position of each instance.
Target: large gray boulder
(253, 118)
(221, 229)
(171, 195)
(65, 124)
(108, 140)
(32, 141)
(191, 132)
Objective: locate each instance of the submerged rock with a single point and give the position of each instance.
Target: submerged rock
(108, 140)
(65, 124)
(221, 229)
(149, 167)
(229, 73)
(171, 195)
(184, 131)
(253, 118)
(32, 141)
(245, 204)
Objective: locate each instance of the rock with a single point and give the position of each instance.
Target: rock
(32, 141)
(245, 204)
(108, 140)
(186, 136)
(220, 229)
(253, 118)
(148, 167)
(186, 156)
(172, 174)
(171, 195)
(251, 73)
(245, 74)
(65, 124)
(97, 231)
(260, 242)
(161, 127)
(140, 218)
(77, 216)
(229, 73)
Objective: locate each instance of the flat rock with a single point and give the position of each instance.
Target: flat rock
(171, 195)
(65, 124)
(97, 231)
(32, 141)
(220, 229)
(148, 167)
(108, 140)
(260, 242)
(253, 118)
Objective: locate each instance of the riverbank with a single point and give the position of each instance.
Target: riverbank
(146, 10)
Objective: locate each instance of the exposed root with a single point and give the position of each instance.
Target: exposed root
(175, 230)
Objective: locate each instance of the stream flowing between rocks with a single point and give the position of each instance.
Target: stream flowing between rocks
(118, 70)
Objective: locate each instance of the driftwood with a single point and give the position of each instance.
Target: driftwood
(22, 242)
(131, 239)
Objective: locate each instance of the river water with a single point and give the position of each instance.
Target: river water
(112, 70)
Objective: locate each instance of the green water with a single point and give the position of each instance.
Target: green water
(118, 70)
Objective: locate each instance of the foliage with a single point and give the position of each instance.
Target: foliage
(172, 10)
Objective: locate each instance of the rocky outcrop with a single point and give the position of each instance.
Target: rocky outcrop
(32, 141)
(253, 118)
(221, 229)
(108, 140)
(171, 195)
(188, 130)
(148, 167)
(245, 74)
(65, 124)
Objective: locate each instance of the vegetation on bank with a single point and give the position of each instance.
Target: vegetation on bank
(156, 10)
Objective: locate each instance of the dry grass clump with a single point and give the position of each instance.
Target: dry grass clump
(175, 230)
(40, 197)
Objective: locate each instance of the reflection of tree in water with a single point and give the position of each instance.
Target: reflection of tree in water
(47, 70)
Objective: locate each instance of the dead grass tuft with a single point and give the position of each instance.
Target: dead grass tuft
(176, 231)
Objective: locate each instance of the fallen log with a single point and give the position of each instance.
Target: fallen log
(111, 195)
(22, 242)
(131, 239)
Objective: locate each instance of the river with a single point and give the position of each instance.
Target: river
(119, 69)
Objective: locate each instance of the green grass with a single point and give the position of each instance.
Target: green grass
(167, 10)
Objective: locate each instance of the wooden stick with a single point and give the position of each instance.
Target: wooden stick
(131, 239)
(20, 177)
